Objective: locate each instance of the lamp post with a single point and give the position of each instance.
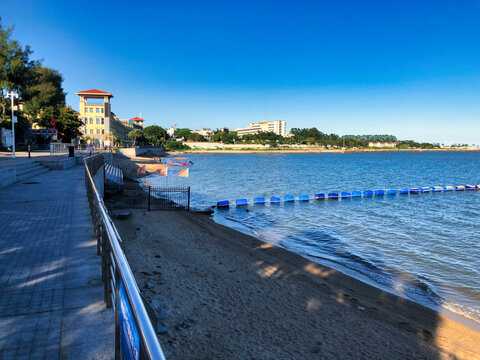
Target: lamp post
(12, 96)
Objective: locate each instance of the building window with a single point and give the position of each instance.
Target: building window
(101, 110)
(98, 121)
(102, 121)
(91, 131)
(91, 109)
(97, 110)
(98, 131)
(103, 131)
(91, 121)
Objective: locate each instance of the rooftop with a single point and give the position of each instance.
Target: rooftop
(137, 119)
(95, 92)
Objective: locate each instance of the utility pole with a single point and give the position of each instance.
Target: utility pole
(12, 96)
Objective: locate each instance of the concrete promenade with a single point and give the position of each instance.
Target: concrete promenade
(51, 294)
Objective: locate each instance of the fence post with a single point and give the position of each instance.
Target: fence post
(188, 204)
(148, 203)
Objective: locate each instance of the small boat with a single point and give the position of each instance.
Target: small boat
(259, 200)
(288, 198)
(459, 188)
(333, 195)
(392, 192)
(477, 187)
(304, 197)
(379, 192)
(345, 195)
(223, 204)
(241, 202)
(274, 200)
(414, 191)
(320, 196)
(437, 188)
(448, 188)
(403, 191)
(356, 193)
(425, 189)
(368, 193)
(469, 187)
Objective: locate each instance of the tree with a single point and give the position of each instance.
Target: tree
(17, 71)
(135, 134)
(195, 137)
(155, 134)
(182, 133)
(45, 91)
(66, 122)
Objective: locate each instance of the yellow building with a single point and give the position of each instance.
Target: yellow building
(100, 122)
(95, 114)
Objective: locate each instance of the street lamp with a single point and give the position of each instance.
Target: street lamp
(12, 96)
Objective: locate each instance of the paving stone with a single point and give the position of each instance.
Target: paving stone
(49, 266)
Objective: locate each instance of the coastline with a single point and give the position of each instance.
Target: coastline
(312, 151)
(229, 295)
(226, 292)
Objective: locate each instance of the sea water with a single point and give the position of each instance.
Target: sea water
(424, 247)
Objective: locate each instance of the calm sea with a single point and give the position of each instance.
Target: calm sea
(424, 247)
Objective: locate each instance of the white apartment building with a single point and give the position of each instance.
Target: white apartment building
(206, 132)
(279, 127)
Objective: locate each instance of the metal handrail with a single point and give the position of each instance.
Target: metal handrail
(122, 268)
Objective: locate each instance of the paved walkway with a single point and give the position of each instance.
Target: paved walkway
(51, 294)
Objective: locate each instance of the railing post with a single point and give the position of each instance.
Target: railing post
(188, 205)
(148, 202)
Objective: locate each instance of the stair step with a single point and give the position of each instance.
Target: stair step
(23, 170)
(32, 174)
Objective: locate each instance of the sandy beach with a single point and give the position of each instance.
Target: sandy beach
(227, 295)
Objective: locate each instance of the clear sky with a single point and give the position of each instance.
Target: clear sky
(407, 68)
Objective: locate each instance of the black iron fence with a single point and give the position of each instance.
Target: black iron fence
(150, 198)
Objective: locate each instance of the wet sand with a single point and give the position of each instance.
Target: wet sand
(227, 295)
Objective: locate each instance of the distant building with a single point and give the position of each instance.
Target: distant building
(380, 144)
(171, 132)
(279, 127)
(205, 132)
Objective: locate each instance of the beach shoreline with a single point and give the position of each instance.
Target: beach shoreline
(225, 292)
(217, 283)
(312, 151)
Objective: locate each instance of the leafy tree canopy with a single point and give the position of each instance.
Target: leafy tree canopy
(155, 134)
(135, 134)
(182, 133)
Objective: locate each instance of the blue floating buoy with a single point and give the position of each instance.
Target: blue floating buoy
(345, 195)
(223, 204)
(392, 192)
(414, 191)
(459, 188)
(436, 188)
(241, 202)
(259, 200)
(275, 200)
(320, 196)
(403, 191)
(304, 198)
(368, 193)
(425, 189)
(379, 192)
(469, 187)
(333, 195)
(288, 198)
(356, 193)
(448, 188)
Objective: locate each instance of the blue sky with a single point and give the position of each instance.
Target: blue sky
(407, 68)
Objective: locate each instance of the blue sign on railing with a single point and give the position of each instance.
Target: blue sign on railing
(129, 340)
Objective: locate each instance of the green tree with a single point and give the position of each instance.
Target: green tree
(67, 121)
(45, 91)
(195, 137)
(155, 134)
(135, 135)
(17, 71)
(182, 133)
